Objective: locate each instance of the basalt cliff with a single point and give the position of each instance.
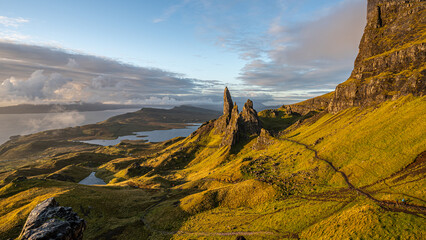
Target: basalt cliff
(391, 61)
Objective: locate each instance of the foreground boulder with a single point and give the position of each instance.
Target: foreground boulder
(48, 221)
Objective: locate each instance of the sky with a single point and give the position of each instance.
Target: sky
(175, 52)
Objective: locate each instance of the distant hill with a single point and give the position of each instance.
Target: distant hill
(48, 108)
(184, 113)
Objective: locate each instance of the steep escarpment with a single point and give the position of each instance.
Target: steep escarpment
(392, 56)
(391, 61)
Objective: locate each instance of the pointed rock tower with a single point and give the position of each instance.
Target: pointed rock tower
(227, 102)
(234, 125)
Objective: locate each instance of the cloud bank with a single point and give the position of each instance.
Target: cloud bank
(42, 74)
(288, 62)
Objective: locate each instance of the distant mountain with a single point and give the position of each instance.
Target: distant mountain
(48, 108)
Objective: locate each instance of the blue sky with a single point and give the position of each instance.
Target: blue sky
(275, 51)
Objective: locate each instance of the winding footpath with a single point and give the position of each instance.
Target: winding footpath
(406, 207)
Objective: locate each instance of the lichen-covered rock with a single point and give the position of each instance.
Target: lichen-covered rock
(49, 221)
(392, 56)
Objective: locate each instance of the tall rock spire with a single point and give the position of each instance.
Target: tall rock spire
(227, 102)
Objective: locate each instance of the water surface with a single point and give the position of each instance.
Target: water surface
(150, 136)
(92, 180)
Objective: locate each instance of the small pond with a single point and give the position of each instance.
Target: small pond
(92, 180)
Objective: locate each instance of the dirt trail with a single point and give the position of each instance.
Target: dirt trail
(406, 207)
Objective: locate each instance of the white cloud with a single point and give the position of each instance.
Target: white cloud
(37, 86)
(12, 22)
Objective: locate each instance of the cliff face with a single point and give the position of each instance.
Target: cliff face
(392, 56)
(391, 61)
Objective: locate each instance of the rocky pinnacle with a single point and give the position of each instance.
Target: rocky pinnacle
(227, 102)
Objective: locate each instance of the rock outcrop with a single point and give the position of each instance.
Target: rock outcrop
(250, 122)
(264, 140)
(48, 221)
(392, 56)
(235, 125)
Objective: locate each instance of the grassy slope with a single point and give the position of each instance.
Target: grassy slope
(370, 144)
(199, 190)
